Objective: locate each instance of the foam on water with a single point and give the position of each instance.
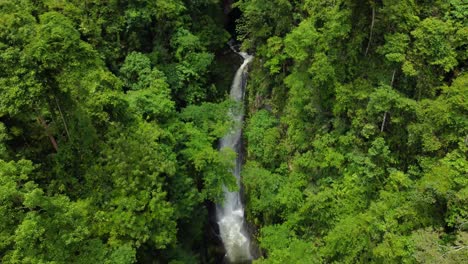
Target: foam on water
(230, 214)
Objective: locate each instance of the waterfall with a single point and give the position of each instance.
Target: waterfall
(230, 214)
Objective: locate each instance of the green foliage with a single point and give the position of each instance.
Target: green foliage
(263, 188)
(135, 206)
(149, 94)
(37, 228)
(430, 247)
(205, 123)
(263, 137)
(98, 164)
(433, 40)
(356, 130)
(187, 76)
(365, 155)
(283, 246)
(263, 18)
(395, 47)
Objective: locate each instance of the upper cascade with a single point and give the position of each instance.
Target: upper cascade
(230, 214)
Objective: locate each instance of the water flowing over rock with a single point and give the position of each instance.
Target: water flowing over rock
(230, 214)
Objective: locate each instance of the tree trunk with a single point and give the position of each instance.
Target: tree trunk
(371, 30)
(41, 121)
(63, 119)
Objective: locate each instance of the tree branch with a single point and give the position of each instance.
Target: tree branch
(386, 113)
(393, 77)
(371, 30)
(61, 116)
(455, 249)
(383, 122)
(41, 121)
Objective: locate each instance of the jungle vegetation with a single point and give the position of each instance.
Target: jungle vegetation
(356, 130)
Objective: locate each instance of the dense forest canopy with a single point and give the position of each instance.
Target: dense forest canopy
(357, 135)
(356, 130)
(109, 114)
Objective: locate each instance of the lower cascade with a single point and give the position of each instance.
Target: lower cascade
(230, 215)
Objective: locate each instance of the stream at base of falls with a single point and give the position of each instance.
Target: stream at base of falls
(230, 214)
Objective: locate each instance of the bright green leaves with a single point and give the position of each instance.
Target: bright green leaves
(394, 249)
(130, 174)
(135, 71)
(262, 19)
(458, 10)
(19, 93)
(380, 153)
(18, 85)
(352, 230)
(447, 181)
(330, 19)
(57, 43)
(152, 103)
(263, 188)
(441, 121)
(373, 144)
(456, 93)
(398, 181)
(16, 22)
(149, 94)
(301, 41)
(274, 52)
(187, 76)
(185, 43)
(324, 155)
(122, 254)
(13, 175)
(385, 99)
(395, 47)
(427, 40)
(380, 233)
(211, 168)
(169, 9)
(211, 118)
(301, 108)
(284, 247)
(66, 231)
(311, 45)
(263, 137)
(400, 14)
(434, 41)
(119, 171)
(65, 228)
(350, 98)
(62, 60)
(36, 228)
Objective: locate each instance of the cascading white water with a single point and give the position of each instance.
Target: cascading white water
(230, 215)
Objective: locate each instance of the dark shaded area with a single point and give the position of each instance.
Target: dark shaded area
(216, 252)
(231, 21)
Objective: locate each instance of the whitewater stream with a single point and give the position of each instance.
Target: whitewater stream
(230, 215)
